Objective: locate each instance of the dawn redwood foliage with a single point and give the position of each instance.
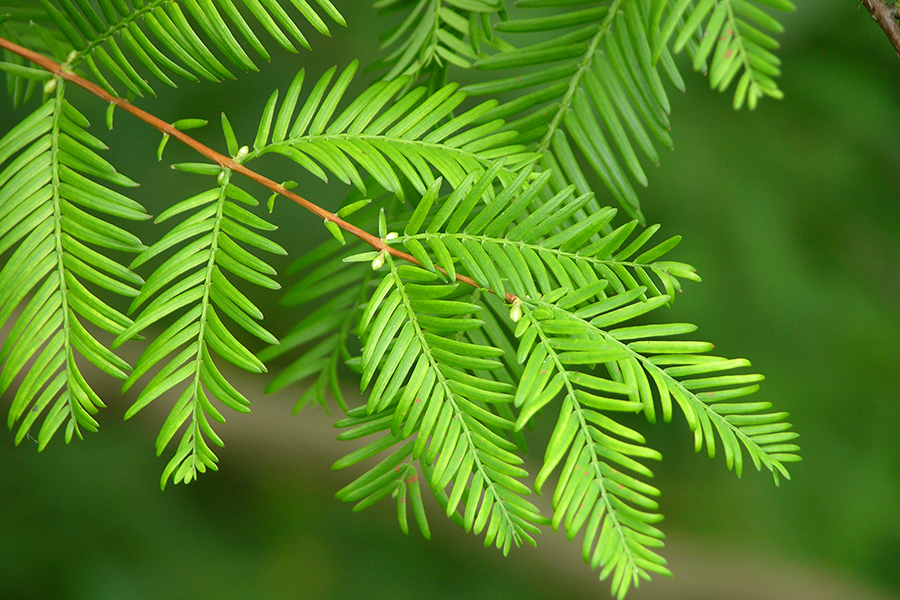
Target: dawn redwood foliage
(492, 265)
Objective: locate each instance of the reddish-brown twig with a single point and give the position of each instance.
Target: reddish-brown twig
(222, 160)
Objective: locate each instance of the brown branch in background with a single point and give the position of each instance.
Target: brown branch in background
(224, 161)
(886, 15)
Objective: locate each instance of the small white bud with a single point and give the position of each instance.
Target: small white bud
(241, 153)
(50, 86)
(378, 262)
(515, 313)
(393, 235)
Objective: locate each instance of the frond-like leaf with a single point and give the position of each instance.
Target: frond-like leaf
(121, 44)
(58, 245)
(434, 35)
(675, 369)
(393, 136)
(517, 242)
(732, 40)
(590, 86)
(425, 383)
(201, 282)
(597, 488)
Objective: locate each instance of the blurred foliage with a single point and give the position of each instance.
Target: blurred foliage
(798, 224)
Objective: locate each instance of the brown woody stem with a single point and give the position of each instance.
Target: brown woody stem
(886, 15)
(224, 161)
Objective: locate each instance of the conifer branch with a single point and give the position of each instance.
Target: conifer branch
(452, 374)
(225, 162)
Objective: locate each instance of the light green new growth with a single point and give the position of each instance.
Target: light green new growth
(488, 284)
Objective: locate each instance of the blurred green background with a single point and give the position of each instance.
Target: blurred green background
(792, 216)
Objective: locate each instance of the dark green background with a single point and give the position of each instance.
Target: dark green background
(791, 215)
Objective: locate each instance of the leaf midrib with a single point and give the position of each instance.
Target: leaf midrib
(575, 81)
(458, 413)
(671, 382)
(585, 433)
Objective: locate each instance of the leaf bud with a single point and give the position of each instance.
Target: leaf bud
(515, 312)
(378, 262)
